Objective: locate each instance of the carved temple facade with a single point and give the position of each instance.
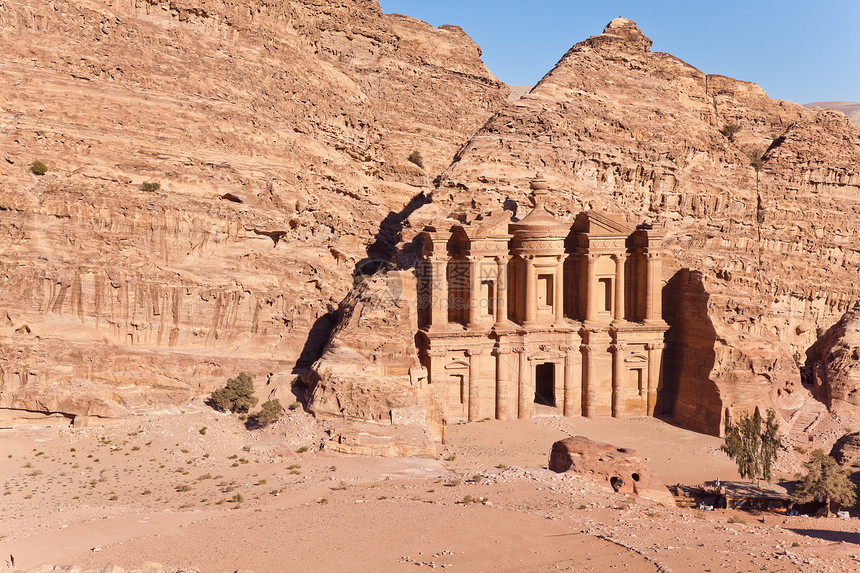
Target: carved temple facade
(520, 316)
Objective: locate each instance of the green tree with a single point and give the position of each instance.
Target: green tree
(753, 448)
(236, 396)
(269, 414)
(824, 481)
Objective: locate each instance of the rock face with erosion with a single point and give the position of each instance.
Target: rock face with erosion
(846, 451)
(834, 365)
(278, 133)
(619, 468)
(759, 200)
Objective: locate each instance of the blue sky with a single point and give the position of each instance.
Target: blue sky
(802, 51)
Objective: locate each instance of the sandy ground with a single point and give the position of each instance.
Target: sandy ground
(196, 491)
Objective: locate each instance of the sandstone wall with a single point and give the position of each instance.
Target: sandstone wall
(278, 132)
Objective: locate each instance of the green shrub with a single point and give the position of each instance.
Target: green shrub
(236, 396)
(38, 168)
(150, 186)
(271, 413)
(415, 157)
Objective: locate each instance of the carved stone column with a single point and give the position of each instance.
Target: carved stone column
(503, 379)
(655, 361)
(619, 286)
(502, 289)
(559, 290)
(618, 371)
(653, 287)
(475, 301)
(589, 392)
(438, 292)
(572, 382)
(474, 382)
(531, 290)
(590, 287)
(436, 375)
(522, 384)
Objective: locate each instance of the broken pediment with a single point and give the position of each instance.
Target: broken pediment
(600, 223)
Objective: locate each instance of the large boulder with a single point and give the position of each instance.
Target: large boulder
(846, 451)
(619, 468)
(834, 365)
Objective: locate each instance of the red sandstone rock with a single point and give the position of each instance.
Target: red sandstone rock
(279, 133)
(619, 468)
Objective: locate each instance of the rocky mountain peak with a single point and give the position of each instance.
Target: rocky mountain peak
(619, 34)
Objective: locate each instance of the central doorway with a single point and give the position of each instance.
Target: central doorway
(545, 384)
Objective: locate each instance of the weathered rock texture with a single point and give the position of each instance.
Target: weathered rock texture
(279, 132)
(834, 365)
(759, 198)
(849, 108)
(846, 451)
(620, 468)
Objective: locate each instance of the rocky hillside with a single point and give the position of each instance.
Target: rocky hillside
(760, 199)
(278, 133)
(851, 109)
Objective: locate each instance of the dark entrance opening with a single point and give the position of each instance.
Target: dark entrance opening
(545, 384)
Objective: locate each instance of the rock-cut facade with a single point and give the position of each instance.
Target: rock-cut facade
(518, 318)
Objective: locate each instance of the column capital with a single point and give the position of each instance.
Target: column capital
(655, 346)
(560, 257)
(473, 258)
(502, 259)
(619, 257)
(618, 347)
(591, 257)
(501, 351)
(651, 254)
(474, 351)
(566, 347)
(589, 347)
(519, 349)
(437, 352)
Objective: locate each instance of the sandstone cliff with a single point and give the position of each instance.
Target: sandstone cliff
(759, 198)
(279, 134)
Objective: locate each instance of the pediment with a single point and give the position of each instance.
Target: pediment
(600, 223)
(490, 225)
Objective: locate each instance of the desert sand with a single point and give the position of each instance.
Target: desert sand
(160, 493)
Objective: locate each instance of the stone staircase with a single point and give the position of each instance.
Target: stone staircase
(804, 420)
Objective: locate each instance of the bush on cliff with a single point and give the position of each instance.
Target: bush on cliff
(38, 168)
(236, 396)
(271, 413)
(416, 158)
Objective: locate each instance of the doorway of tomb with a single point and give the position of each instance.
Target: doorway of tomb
(545, 384)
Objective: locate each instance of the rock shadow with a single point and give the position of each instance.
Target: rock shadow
(689, 395)
(829, 535)
(381, 251)
(315, 343)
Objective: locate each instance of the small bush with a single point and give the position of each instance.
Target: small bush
(203, 430)
(295, 406)
(736, 519)
(236, 396)
(150, 186)
(730, 129)
(38, 168)
(271, 413)
(415, 157)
